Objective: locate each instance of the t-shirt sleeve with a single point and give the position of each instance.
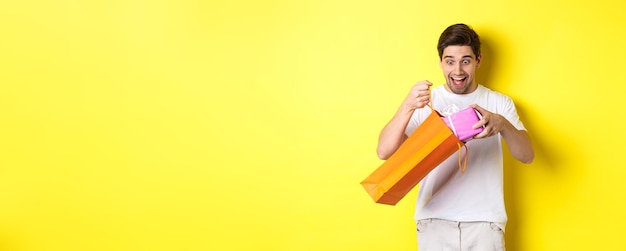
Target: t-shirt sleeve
(510, 113)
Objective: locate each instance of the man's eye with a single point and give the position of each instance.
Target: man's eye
(450, 62)
(466, 61)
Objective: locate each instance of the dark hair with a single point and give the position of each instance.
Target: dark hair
(459, 34)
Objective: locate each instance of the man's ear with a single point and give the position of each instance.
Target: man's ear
(478, 60)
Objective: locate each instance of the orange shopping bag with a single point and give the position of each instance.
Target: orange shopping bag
(429, 145)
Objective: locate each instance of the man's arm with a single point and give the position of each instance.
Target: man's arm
(392, 135)
(518, 141)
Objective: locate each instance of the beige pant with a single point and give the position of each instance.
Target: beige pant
(444, 235)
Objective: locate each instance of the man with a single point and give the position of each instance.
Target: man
(454, 210)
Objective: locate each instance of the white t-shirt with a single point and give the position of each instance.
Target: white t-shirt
(477, 194)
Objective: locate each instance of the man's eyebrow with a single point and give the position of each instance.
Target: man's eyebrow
(466, 56)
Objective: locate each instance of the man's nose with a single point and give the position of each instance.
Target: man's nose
(457, 69)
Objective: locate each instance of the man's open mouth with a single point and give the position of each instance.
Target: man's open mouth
(458, 80)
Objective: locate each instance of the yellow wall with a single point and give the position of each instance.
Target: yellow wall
(248, 125)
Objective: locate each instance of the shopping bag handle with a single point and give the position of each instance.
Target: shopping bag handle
(464, 166)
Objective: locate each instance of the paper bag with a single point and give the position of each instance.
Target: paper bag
(429, 145)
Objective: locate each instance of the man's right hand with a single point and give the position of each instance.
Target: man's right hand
(392, 136)
(419, 96)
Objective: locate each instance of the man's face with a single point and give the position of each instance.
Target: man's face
(459, 64)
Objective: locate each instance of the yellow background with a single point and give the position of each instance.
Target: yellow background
(248, 125)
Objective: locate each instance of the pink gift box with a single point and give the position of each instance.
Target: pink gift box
(461, 123)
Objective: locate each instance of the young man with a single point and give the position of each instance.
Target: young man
(461, 211)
